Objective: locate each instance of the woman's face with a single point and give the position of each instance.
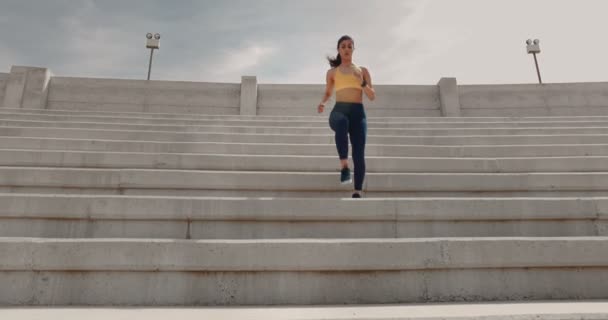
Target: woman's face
(346, 48)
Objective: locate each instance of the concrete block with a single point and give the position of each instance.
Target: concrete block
(3, 81)
(15, 87)
(449, 97)
(249, 96)
(27, 87)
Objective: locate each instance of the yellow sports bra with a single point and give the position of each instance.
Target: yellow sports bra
(343, 81)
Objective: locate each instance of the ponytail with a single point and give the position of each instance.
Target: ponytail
(335, 62)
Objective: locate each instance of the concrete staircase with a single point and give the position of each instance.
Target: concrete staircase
(110, 208)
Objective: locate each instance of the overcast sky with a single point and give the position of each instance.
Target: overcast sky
(286, 41)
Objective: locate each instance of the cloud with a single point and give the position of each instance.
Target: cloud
(385, 42)
(244, 59)
(413, 42)
(227, 65)
(103, 50)
(280, 41)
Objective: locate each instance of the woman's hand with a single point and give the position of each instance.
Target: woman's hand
(320, 108)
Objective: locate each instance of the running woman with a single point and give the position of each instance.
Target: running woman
(348, 115)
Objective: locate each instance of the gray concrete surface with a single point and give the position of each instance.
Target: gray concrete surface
(537, 310)
(326, 138)
(372, 150)
(317, 122)
(249, 96)
(431, 119)
(302, 255)
(27, 87)
(143, 96)
(278, 99)
(3, 81)
(300, 163)
(317, 130)
(162, 179)
(449, 97)
(69, 216)
(534, 99)
(301, 100)
(111, 272)
(272, 226)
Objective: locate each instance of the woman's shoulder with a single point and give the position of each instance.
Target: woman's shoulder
(365, 70)
(332, 71)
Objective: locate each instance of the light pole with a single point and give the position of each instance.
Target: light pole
(152, 43)
(534, 48)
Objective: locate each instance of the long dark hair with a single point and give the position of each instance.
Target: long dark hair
(334, 62)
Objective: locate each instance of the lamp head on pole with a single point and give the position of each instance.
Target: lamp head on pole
(153, 41)
(533, 46)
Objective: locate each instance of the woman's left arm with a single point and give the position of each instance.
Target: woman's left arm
(368, 88)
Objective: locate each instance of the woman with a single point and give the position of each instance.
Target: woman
(348, 116)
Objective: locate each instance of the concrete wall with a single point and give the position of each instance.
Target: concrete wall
(566, 99)
(143, 96)
(392, 100)
(29, 87)
(3, 80)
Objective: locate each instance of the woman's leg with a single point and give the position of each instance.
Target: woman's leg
(358, 134)
(338, 122)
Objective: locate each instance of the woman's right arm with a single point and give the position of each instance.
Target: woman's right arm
(329, 88)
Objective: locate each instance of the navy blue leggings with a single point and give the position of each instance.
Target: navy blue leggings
(349, 119)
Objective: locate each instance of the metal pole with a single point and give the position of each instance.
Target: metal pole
(150, 64)
(537, 69)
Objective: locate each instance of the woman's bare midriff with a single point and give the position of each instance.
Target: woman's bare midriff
(349, 95)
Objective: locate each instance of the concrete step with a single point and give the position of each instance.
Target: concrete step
(528, 310)
(481, 151)
(320, 117)
(166, 115)
(244, 162)
(341, 193)
(72, 216)
(270, 272)
(327, 138)
(319, 123)
(406, 132)
(165, 180)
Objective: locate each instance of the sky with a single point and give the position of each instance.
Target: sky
(287, 41)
